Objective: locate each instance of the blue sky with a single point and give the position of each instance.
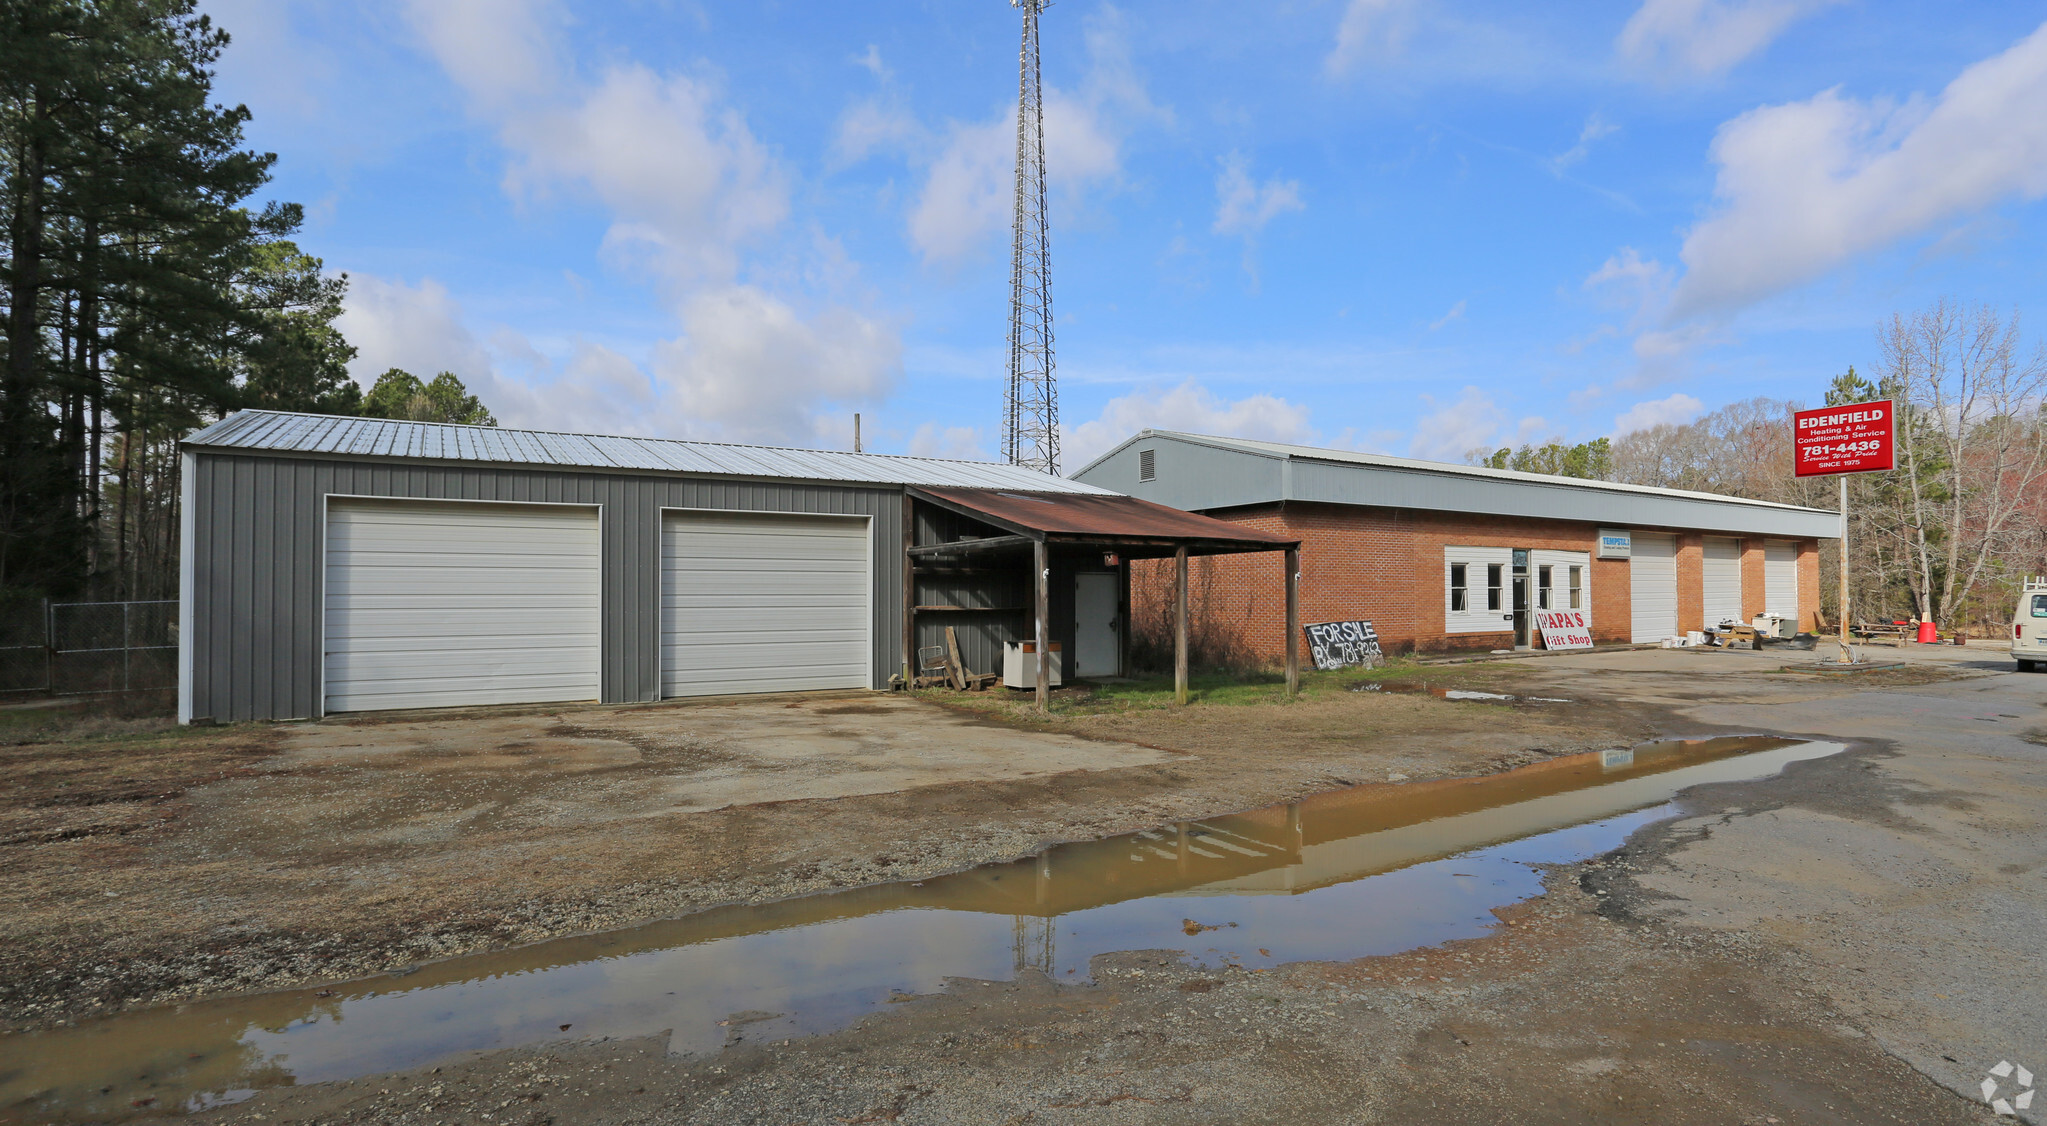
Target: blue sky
(1409, 226)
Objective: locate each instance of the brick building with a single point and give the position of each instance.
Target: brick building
(1442, 557)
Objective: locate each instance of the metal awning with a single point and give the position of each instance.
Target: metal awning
(1137, 528)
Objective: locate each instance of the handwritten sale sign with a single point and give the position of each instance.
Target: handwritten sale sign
(1857, 438)
(1564, 629)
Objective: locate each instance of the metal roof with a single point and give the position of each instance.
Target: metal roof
(1205, 473)
(1383, 461)
(1104, 519)
(348, 436)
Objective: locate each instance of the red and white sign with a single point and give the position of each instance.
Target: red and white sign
(1858, 438)
(1564, 629)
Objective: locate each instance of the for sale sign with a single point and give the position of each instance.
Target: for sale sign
(1858, 438)
(1564, 629)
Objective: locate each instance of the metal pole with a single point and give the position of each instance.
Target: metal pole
(127, 643)
(1180, 625)
(1846, 658)
(1293, 621)
(1041, 556)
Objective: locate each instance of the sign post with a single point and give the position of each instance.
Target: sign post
(1837, 441)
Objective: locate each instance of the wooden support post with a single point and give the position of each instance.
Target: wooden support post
(909, 594)
(1293, 621)
(1180, 625)
(1041, 562)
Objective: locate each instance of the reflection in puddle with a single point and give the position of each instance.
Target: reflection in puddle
(1367, 870)
(1423, 688)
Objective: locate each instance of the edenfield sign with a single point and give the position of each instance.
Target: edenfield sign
(1857, 438)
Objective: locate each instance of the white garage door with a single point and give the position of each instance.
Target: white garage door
(438, 604)
(763, 602)
(1723, 580)
(1780, 577)
(1652, 586)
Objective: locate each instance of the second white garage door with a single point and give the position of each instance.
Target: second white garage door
(1722, 566)
(433, 605)
(1780, 578)
(764, 602)
(1652, 587)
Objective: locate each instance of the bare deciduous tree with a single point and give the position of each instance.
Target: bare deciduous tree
(1971, 449)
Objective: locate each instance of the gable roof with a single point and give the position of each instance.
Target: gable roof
(348, 436)
(1383, 461)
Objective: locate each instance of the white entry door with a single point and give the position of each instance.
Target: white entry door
(434, 604)
(764, 602)
(1652, 587)
(1096, 627)
(1722, 578)
(1780, 578)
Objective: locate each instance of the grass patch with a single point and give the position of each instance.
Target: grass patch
(1218, 689)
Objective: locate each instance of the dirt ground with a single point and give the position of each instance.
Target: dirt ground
(1710, 972)
(143, 862)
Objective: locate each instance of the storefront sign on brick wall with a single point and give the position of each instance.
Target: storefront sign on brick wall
(1564, 629)
(1337, 645)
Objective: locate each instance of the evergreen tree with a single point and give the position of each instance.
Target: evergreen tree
(399, 394)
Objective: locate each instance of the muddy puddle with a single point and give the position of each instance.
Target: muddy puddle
(1440, 692)
(1372, 869)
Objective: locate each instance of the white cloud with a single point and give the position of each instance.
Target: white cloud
(687, 183)
(415, 327)
(868, 127)
(1678, 408)
(1369, 27)
(1244, 206)
(1456, 313)
(1805, 187)
(1189, 407)
(1447, 433)
(969, 188)
(690, 193)
(1706, 37)
(871, 60)
(961, 443)
(1596, 128)
(751, 368)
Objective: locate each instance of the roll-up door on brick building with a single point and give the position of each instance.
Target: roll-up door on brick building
(1652, 586)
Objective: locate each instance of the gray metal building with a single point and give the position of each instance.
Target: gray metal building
(341, 564)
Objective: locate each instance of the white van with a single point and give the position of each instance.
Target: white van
(2029, 627)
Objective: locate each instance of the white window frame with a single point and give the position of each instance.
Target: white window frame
(1475, 618)
(1561, 564)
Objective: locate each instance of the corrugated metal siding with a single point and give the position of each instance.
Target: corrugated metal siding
(258, 554)
(1208, 474)
(1196, 478)
(279, 432)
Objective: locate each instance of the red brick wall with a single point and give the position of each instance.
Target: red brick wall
(1751, 578)
(1691, 582)
(1382, 565)
(1808, 586)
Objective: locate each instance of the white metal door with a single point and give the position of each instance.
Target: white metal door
(1722, 578)
(764, 602)
(1652, 587)
(1095, 625)
(436, 604)
(1780, 578)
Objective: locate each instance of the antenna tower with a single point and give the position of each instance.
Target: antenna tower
(1031, 418)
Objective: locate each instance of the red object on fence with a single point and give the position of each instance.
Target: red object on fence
(1857, 438)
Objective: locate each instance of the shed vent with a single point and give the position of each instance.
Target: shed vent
(1147, 465)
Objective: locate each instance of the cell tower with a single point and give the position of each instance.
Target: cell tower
(1031, 422)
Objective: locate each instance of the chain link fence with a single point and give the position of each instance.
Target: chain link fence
(74, 648)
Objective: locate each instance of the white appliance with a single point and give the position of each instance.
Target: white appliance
(1020, 664)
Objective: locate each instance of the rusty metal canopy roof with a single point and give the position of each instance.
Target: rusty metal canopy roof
(1106, 519)
(347, 436)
